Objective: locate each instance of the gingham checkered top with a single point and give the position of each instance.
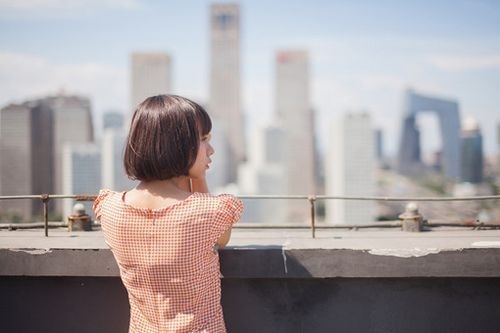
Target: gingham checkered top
(167, 259)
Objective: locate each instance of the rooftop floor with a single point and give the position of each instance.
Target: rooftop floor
(377, 240)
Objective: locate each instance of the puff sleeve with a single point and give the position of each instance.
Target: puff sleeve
(228, 212)
(97, 206)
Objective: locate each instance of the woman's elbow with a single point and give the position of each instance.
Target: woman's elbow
(224, 239)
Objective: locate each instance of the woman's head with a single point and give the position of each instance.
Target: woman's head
(164, 137)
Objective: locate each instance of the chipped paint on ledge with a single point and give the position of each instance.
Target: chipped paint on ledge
(404, 253)
(486, 244)
(32, 251)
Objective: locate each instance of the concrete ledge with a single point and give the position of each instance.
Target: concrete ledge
(346, 263)
(86, 254)
(58, 262)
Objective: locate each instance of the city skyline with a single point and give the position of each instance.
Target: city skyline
(363, 55)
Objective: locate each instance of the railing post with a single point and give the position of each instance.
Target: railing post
(45, 199)
(312, 201)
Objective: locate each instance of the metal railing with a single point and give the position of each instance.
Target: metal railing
(312, 199)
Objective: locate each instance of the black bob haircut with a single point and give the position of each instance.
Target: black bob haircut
(164, 137)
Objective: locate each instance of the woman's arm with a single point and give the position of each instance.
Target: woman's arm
(224, 239)
(200, 185)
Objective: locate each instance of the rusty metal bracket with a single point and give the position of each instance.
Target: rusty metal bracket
(312, 201)
(45, 200)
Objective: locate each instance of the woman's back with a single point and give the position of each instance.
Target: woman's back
(167, 258)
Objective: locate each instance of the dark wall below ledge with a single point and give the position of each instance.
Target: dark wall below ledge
(268, 289)
(99, 304)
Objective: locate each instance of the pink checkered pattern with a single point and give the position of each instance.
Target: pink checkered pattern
(167, 259)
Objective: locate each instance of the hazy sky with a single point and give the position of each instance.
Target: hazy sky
(363, 54)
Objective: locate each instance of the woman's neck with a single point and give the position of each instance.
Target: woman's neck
(158, 193)
(168, 188)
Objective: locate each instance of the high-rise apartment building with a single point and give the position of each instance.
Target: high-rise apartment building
(263, 173)
(112, 148)
(113, 172)
(113, 119)
(498, 136)
(472, 152)
(81, 170)
(72, 123)
(350, 169)
(31, 141)
(150, 75)
(25, 157)
(498, 147)
(225, 91)
(295, 116)
(217, 175)
(379, 144)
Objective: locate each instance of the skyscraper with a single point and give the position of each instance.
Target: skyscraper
(113, 119)
(225, 91)
(31, 141)
(72, 123)
(217, 175)
(472, 152)
(498, 147)
(350, 169)
(113, 172)
(498, 136)
(150, 75)
(379, 144)
(81, 170)
(295, 116)
(263, 173)
(409, 157)
(112, 148)
(25, 156)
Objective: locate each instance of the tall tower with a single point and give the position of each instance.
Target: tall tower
(350, 169)
(225, 91)
(472, 152)
(25, 156)
(294, 114)
(150, 76)
(72, 123)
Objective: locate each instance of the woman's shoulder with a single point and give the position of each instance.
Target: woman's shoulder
(223, 197)
(104, 196)
(220, 201)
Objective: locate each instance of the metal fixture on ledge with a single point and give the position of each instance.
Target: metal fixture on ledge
(411, 220)
(79, 220)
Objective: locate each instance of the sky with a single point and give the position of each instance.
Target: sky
(363, 55)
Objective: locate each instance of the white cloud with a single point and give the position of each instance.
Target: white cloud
(24, 77)
(66, 4)
(50, 9)
(455, 63)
